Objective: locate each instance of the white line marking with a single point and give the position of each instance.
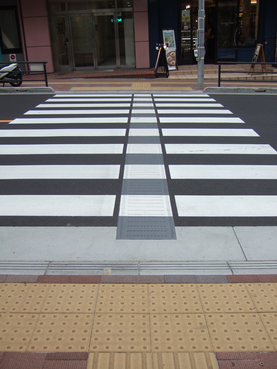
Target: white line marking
(63, 132)
(77, 112)
(219, 149)
(83, 105)
(144, 172)
(188, 105)
(98, 95)
(57, 205)
(143, 120)
(144, 132)
(143, 111)
(69, 120)
(226, 206)
(223, 171)
(59, 171)
(144, 149)
(211, 132)
(184, 99)
(200, 120)
(173, 96)
(61, 149)
(194, 111)
(144, 206)
(70, 99)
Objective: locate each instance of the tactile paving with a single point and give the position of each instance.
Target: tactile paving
(124, 298)
(61, 332)
(264, 296)
(71, 298)
(182, 360)
(16, 331)
(174, 298)
(217, 298)
(144, 187)
(22, 297)
(179, 332)
(122, 360)
(238, 332)
(120, 333)
(270, 322)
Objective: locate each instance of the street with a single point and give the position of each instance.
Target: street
(142, 162)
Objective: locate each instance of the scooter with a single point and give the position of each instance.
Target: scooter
(11, 74)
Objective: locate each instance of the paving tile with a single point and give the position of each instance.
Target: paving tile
(270, 322)
(122, 298)
(21, 279)
(142, 279)
(3, 278)
(218, 298)
(16, 331)
(238, 332)
(237, 355)
(117, 279)
(211, 279)
(179, 332)
(174, 298)
(61, 332)
(66, 356)
(248, 278)
(124, 360)
(180, 278)
(247, 360)
(120, 333)
(264, 296)
(21, 297)
(70, 298)
(85, 279)
(60, 364)
(268, 278)
(53, 279)
(178, 360)
(15, 360)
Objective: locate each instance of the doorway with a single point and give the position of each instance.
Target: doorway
(98, 38)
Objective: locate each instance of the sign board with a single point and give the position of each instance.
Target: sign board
(169, 40)
(259, 51)
(12, 57)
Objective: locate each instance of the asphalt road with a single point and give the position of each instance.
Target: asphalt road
(190, 195)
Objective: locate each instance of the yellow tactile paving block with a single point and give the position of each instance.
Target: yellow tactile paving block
(16, 331)
(116, 298)
(22, 297)
(217, 298)
(270, 322)
(264, 296)
(61, 332)
(177, 360)
(179, 332)
(124, 360)
(71, 298)
(121, 333)
(238, 332)
(174, 298)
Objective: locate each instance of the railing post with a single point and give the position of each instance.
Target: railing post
(219, 74)
(45, 74)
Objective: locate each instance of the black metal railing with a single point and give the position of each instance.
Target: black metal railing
(30, 70)
(262, 66)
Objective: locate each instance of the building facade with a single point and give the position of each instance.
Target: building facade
(95, 34)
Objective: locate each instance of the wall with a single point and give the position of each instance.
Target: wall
(141, 33)
(37, 35)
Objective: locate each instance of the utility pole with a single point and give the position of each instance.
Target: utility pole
(201, 42)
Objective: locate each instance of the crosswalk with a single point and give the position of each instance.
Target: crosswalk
(142, 162)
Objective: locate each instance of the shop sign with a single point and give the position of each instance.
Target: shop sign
(169, 40)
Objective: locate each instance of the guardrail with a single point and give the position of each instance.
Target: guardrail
(250, 73)
(30, 69)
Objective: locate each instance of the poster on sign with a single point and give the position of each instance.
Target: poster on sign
(169, 40)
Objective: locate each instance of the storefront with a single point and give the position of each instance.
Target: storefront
(232, 28)
(98, 34)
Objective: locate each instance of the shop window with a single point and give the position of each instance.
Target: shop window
(9, 31)
(248, 22)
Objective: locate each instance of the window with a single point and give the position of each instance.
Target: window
(9, 31)
(248, 22)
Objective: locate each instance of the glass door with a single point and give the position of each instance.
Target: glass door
(188, 17)
(82, 36)
(61, 41)
(105, 36)
(227, 30)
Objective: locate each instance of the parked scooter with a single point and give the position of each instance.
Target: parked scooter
(11, 74)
